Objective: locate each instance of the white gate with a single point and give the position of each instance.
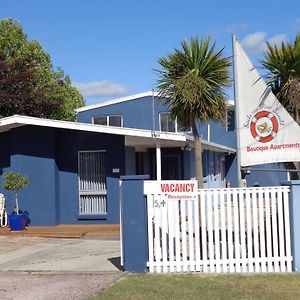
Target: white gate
(237, 230)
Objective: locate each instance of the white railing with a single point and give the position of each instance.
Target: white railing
(237, 230)
(92, 204)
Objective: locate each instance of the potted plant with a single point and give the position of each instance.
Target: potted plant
(15, 182)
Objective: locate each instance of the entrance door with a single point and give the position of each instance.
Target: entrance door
(170, 167)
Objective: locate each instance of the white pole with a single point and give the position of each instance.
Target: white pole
(153, 111)
(208, 132)
(236, 102)
(158, 161)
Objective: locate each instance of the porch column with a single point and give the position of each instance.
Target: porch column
(158, 161)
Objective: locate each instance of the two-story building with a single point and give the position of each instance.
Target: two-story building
(74, 167)
(147, 111)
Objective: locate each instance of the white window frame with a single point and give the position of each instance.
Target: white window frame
(107, 119)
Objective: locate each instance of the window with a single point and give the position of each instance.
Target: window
(115, 120)
(167, 124)
(230, 122)
(100, 120)
(92, 183)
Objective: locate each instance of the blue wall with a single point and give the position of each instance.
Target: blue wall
(32, 153)
(266, 178)
(49, 158)
(137, 113)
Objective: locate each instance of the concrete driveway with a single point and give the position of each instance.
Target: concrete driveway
(34, 268)
(58, 254)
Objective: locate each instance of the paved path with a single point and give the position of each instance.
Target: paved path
(56, 268)
(43, 254)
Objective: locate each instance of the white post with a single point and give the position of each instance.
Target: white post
(158, 161)
(208, 132)
(236, 102)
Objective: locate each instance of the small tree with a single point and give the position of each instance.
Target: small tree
(14, 182)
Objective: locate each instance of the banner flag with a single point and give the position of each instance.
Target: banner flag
(266, 131)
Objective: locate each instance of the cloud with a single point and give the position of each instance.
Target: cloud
(234, 28)
(101, 88)
(256, 42)
(277, 39)
(296, 24)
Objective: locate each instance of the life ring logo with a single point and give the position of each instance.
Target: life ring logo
(264, 126)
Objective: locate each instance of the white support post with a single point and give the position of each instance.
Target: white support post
(158, 161)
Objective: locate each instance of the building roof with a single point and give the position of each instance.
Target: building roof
(125, 99)
(133, 136)
(116, 101)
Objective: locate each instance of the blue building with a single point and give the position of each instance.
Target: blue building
(74, 167)
(147, 111)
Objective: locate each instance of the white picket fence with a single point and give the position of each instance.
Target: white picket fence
(235, 230)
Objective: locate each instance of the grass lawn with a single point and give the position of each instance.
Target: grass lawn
(203, 287)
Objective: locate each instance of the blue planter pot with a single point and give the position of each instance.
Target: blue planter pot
(17, 222)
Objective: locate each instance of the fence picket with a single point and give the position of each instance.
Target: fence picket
(243, 229)
(216, 217)
(280, 231)
(268, 232)
(151, 223)
(237, 250)
(210, 233)
(203, 207)
(223, 233)
(177, 237)
(183, 235)
(171, 223)
(229, 231)
(287, 231)
(249, 231)
(255, 231)
(262, 243)
(196, 207)
(191, 235)
(164, 233)
(157, 239)
(274, 230)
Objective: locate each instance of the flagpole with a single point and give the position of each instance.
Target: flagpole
(236, 103)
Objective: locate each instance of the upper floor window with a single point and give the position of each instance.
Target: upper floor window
(114, 120)
(167, 124)
(230, 122)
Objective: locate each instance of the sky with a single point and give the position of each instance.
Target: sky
(110, 48)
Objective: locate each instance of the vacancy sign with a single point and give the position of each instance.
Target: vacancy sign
(173, 189)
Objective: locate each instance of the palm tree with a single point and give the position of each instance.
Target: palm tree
(283, 66)
(192, 81)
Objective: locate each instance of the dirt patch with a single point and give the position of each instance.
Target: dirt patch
(59, 286)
